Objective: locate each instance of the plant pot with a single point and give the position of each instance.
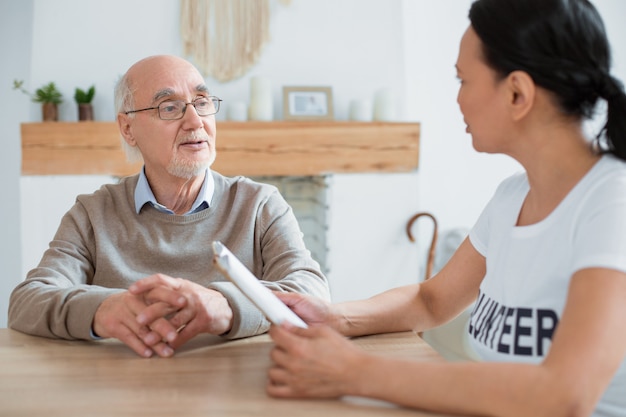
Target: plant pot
(85, 112)
(50, 112)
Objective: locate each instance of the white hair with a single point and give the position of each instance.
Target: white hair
(124, 101)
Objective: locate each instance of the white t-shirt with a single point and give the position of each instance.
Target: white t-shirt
(529, 267)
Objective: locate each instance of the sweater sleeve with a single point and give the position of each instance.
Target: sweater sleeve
(287, 265)
(56, 299)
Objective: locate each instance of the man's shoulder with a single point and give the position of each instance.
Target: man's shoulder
(241, 183)
(111, 191)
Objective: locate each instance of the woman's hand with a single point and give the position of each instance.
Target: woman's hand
(313, 362)
(311, 309)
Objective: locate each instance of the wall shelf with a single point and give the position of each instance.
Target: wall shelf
(281, 148)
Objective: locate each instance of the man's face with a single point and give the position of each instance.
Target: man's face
(182, 148)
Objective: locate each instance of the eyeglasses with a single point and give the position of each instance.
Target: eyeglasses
(175, 109)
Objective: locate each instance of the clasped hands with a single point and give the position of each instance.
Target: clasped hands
(158, 314)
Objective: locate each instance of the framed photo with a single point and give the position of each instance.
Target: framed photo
(307, 103)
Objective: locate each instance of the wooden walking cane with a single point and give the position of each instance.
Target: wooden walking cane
(433, 241)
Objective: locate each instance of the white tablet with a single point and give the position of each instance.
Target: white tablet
(275, 310)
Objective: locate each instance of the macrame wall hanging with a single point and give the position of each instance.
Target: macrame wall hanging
(225, 37)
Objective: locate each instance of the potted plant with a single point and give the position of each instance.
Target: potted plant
(49, 97)
(83, 99)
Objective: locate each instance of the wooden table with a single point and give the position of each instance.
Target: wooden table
(207, 377)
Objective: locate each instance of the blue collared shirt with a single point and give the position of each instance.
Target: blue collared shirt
(144, 195)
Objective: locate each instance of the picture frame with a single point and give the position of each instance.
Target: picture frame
(307, 103)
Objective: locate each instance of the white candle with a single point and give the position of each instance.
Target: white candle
(260, 110)
(384, 106)
(260, 87)
(261, 106)
(361, 110)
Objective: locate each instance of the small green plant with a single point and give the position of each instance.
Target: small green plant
(46, 94)
(84, 97)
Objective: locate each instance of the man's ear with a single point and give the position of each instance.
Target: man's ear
(124, 124)
(521, 90)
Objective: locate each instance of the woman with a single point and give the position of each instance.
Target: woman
(546, 261)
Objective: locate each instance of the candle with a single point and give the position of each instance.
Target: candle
(261, 107)
(384, 106)
(361, 110)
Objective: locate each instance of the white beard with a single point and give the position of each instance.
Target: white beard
(182, 168)
(187, 170)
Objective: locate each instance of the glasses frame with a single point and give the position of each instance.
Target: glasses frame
(216, 101)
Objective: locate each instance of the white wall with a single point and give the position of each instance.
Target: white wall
(356, 46)
(15, 24)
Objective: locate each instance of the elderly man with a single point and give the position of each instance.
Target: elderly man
(133, 260)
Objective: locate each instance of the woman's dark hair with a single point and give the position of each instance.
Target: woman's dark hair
(562, 45)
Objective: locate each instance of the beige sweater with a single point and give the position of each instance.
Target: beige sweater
(102, 246)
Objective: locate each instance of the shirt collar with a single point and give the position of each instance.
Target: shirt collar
(144, 194)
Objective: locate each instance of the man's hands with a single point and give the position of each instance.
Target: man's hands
(205, 310)
(117, 317)
(159, 314)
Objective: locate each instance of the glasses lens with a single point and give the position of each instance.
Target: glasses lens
(171, 110)
(216, 104)
(204, 106)
(207, 106)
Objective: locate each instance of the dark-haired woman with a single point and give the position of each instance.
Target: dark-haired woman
(545, 263)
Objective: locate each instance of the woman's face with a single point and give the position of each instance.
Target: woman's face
(482, 97)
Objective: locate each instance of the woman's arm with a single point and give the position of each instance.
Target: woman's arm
(419, 306)
(588, 348)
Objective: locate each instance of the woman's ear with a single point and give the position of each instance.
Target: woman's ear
(522, 90)
(124, 124)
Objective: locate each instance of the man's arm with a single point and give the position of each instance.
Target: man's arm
(56, 300)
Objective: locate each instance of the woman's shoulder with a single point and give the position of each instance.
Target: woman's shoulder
(611, 165)
(513, 184)
(609, 172)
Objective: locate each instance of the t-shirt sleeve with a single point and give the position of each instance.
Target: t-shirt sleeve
(600, 237)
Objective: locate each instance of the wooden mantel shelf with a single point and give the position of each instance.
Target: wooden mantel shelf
(243, 148)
